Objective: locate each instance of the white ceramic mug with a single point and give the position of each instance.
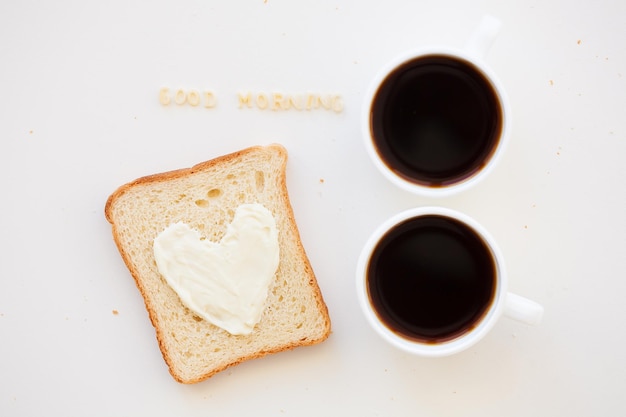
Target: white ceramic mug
(499, 302)
(379, 118)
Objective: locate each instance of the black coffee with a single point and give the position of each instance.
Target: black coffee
(431, 279)
(436, 120)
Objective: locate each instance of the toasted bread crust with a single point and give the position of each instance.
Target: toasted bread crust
(140, 280)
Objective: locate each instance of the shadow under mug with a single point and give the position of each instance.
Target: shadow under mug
(436, 121)
(432, 281)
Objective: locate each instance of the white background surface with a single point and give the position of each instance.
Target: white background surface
(79, 116)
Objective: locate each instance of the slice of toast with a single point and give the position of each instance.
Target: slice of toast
(206, 197)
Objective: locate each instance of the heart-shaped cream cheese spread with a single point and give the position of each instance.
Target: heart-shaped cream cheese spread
(226, 283)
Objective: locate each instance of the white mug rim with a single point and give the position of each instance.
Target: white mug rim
(465, 183)
(446, 348)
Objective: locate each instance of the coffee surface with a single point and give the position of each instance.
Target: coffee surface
(431, 279)
(436, 120)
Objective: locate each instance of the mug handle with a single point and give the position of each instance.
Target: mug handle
(522, 309)
(481, 40)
